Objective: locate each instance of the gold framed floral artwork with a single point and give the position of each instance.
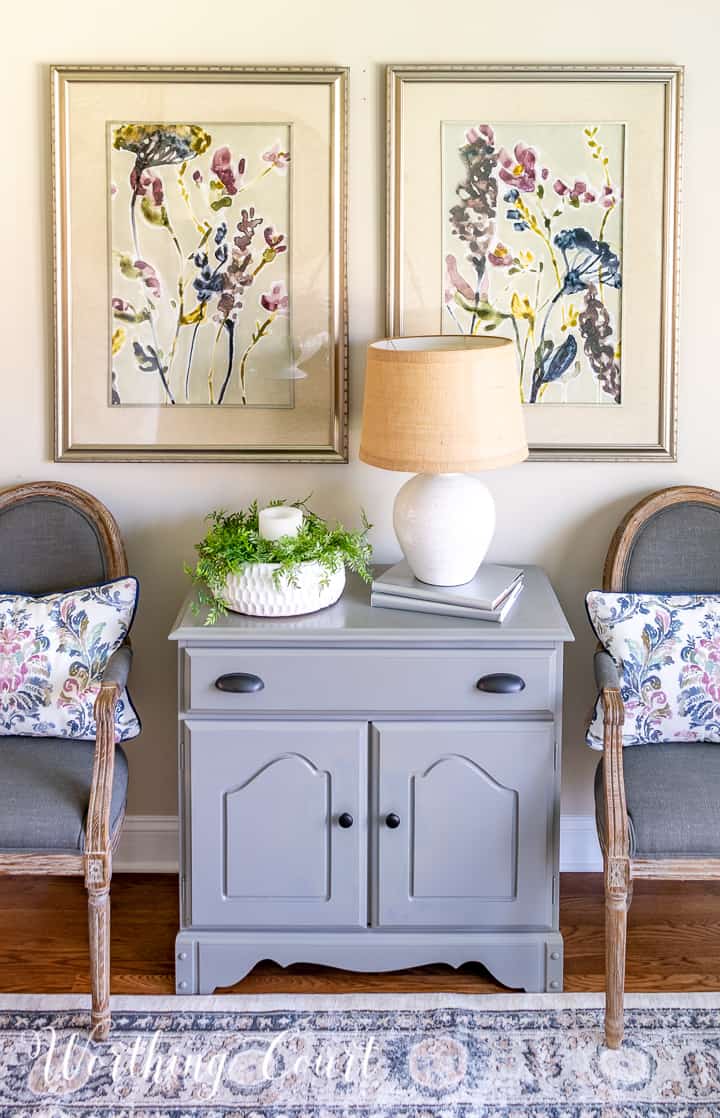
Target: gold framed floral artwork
(547, 197)
(200, 243)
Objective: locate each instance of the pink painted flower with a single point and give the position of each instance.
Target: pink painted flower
(222, 168)
(518, 169)
(608, 198)
(456, 282)
(501, 256)
(578, 192)
(149, 277)
(277, 158)
(275, 300)
(478, 132)
(274, 240)
(145, 182)
(198, 177)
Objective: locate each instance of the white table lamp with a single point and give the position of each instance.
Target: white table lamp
(444, 407)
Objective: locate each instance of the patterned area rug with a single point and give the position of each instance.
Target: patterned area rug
(441, 1056)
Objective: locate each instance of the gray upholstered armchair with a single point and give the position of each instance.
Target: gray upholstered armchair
(62, 802)
(658, 806)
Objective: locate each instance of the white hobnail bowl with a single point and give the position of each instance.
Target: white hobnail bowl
(254, 591)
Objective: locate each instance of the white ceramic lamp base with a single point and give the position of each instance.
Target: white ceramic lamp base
(444, 523)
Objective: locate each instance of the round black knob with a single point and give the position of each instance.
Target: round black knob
(345, 820)
(392, 820)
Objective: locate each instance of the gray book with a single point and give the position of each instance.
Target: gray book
(422, 605)
(487, 590)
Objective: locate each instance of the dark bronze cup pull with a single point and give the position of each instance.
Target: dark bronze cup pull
(240, 683)
(501, 683)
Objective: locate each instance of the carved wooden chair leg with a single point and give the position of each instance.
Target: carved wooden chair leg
(98, 889)
(617, 902)
(98, 857)
(99, 922)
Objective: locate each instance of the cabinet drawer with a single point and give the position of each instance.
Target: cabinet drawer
(252, 681)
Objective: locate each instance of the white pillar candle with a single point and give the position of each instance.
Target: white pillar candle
(278, 521)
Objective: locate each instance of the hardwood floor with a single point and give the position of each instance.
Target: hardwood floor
(674, 942)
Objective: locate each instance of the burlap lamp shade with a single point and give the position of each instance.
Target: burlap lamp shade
(443, 406)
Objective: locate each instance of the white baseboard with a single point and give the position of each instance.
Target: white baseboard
(149, 845)
(579, 847)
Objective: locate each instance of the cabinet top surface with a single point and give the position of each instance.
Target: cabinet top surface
(536, 618)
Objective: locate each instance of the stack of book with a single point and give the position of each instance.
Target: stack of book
(488, 597)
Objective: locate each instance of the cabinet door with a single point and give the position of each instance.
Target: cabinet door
(270, 805)
(473, 809)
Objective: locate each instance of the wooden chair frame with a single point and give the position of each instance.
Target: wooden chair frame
(95, 863)
(620, 869)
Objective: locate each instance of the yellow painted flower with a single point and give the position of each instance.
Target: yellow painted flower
(118, 340)
(157, 145)
(525, 259)
(569, 317)
(501, 256)
(521, 308)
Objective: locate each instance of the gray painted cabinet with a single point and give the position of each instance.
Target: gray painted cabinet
(368, 806)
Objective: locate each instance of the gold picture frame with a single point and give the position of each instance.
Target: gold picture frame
(640, 109)
(210, 154)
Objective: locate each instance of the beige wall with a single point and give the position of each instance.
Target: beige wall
(560, 516)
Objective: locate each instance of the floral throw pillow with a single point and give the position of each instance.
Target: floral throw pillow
(53, 652)
(667, 651)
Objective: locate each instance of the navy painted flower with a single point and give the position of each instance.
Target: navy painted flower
(210, 281)
(519, 222)
(586, 261)
(221, 252)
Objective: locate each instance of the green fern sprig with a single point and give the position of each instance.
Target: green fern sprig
(233, 540)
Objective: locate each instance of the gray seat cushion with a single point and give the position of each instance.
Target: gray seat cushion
(45, 789)
(673, 799)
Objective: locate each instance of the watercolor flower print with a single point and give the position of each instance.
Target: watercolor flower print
(199, 219)
(532, 245)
